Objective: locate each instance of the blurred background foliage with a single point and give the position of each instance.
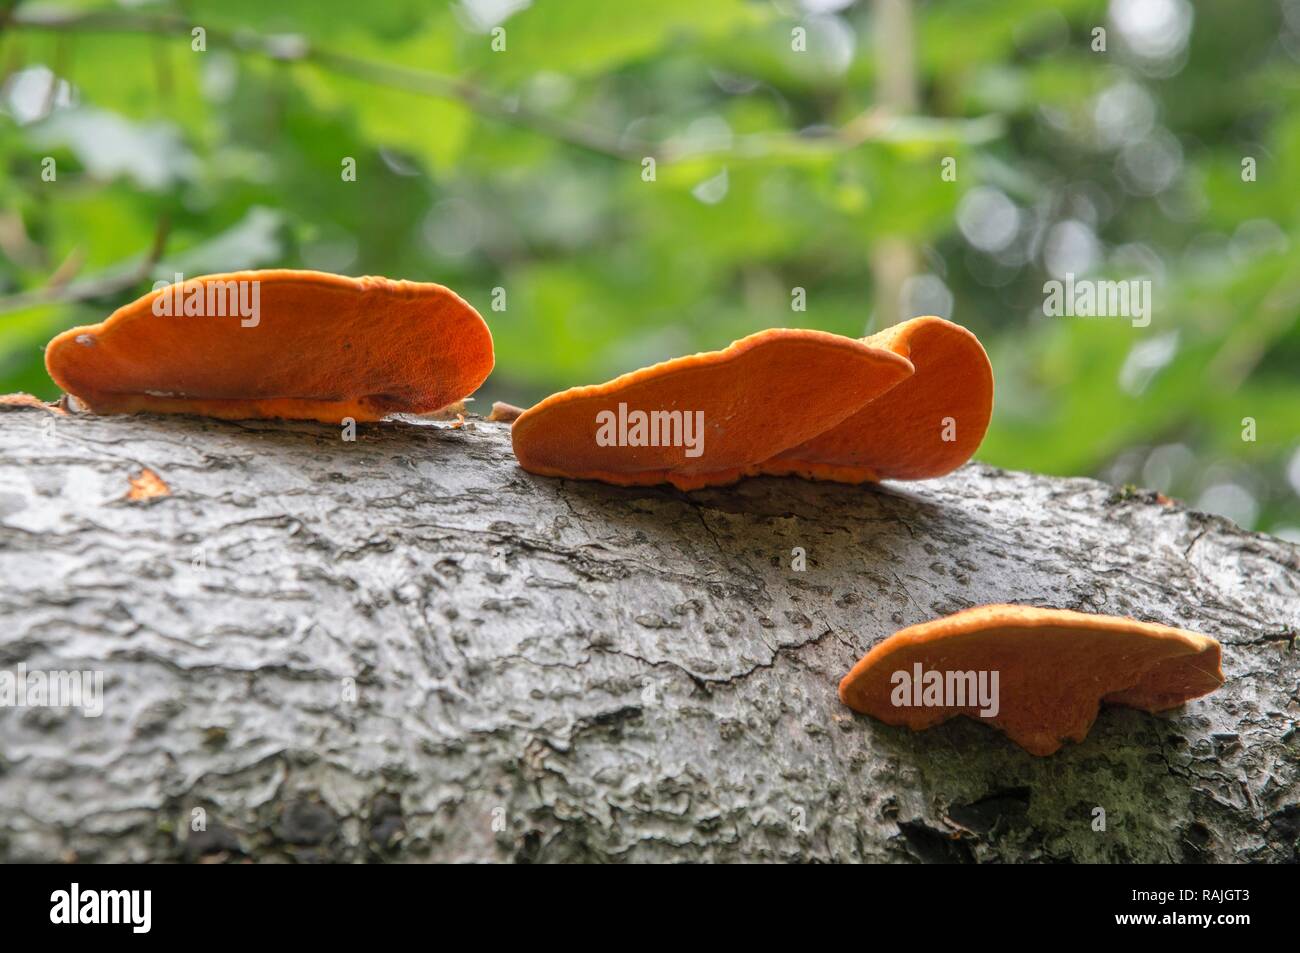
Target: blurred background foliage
(776, 168)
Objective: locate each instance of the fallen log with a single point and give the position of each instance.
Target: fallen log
(404, 647)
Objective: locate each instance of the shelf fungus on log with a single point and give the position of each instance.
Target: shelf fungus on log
(1040, 675)
(927, 426)
(706, 419)
(911, 402)
(292, 344)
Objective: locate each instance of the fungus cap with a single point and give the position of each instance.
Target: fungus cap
(761, 394)
(316, 346)
(1055, 669)
(927, 426)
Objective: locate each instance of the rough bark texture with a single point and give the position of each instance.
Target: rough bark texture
(405, 647)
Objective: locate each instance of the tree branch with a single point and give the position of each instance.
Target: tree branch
(872, 125)
(62, 289)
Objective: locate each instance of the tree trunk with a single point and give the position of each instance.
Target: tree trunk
(406, 647)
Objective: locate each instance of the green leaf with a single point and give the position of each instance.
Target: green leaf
(584, 37)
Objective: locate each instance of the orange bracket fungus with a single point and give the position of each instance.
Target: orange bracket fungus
(911, 402)
(292, 344)
(709, 418)
(928, 425)
(1040, 675)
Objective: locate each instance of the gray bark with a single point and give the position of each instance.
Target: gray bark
(553, 670)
